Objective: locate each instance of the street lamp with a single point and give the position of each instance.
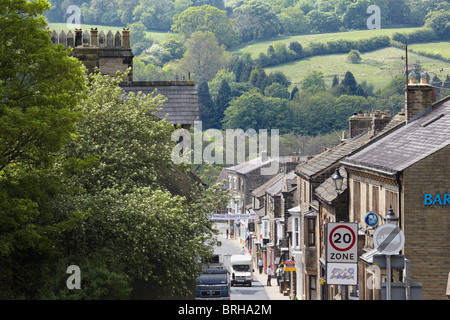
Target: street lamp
(338, 180)
(391, 217)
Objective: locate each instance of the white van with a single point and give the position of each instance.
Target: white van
(241, 269)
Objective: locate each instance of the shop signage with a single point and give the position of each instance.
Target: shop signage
(230, 216)
(438, 199)
(289, 266)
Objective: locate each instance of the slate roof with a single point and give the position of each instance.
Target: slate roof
(261, 190)
(249, 166)
(409, 144)
(327, 190)
(182, 98)
(333, 156)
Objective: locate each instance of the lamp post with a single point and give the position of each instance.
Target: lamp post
(338, 180)
(392, 219)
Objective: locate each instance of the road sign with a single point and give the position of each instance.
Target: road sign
(388, 239)
(342, 273)
(371, 219)
(342, 244)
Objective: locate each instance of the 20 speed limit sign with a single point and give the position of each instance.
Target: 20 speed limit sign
(342, 242)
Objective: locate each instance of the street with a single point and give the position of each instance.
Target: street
(239, 292)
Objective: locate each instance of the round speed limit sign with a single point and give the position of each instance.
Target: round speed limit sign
(342, 242)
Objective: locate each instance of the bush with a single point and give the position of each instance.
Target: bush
(354, 56)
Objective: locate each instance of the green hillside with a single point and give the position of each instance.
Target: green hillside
(261, 46)
(438, 47)
(377, 67)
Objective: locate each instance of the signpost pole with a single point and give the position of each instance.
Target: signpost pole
(388, 280)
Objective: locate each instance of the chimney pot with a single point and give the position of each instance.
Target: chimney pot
(94, 37)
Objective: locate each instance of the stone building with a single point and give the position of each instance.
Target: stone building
(111, 53)
(364, 130)
(408, 169)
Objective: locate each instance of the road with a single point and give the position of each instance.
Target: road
(238, 292)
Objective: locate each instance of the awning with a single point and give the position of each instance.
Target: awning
(311, 213)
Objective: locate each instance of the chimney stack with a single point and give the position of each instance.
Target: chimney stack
(78, 37)
(418, 97)
(362, 122)
(126, 38)
(94, 37)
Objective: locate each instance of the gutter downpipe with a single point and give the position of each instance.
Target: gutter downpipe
(407, 276)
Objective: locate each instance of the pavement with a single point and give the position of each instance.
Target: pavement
(273, 292)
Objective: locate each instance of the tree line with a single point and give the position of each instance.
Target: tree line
(248, 20)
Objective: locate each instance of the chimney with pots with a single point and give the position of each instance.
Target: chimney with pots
(362, 122)
(418, 97)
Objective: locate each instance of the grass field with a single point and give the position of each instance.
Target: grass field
(261, 46)
(377, 67)
(157, 36)
(441, 47)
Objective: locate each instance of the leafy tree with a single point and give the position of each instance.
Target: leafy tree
(223, 100)
(439, 21)
(350, 82)
(154, 14)
(256, 20)
(322, 22)
(258, 79)
(314, 82)
(335, 81)
(141, 217)
(215, 3)
(293, 21)
(293, 93)
(207, 111)
(40, 86)
(203, 56)
(175, 48)
(296, 47)
(313, 113)
(207, 18)
(139, 40)
(277, 90)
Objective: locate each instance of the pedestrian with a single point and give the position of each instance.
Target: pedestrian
(269, 275)
(278, 273)
(243, 250)
(227, 233)
(260, 265)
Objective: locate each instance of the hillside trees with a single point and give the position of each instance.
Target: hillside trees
(256, 20)
(207, 18)
(203, 57)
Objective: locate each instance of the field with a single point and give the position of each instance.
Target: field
(377, 67)
(442, 48)
(157, 36)
(261, 46)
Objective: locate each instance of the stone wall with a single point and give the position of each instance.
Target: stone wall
(427, 227)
